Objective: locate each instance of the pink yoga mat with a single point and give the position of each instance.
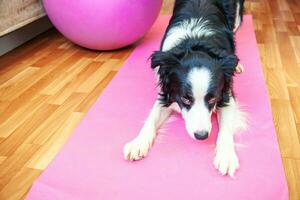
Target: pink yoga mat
(91, 166)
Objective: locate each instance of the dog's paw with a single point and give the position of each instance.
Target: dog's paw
(239, 68)
(226, 161)
(137, 148)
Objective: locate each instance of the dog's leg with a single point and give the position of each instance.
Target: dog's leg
(231, 119)
(238, 15)
(139, 147)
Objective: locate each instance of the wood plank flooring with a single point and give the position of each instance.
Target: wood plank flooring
(48, 84)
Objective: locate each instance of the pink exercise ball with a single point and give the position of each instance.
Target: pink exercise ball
(103, 24)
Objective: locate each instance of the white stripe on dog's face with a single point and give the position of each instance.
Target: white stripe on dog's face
(198, 117)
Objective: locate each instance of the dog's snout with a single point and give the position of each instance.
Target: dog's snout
(201, 135)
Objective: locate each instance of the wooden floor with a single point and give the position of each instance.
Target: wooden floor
(48, 84)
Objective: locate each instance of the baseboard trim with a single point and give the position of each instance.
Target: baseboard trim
(18, 37)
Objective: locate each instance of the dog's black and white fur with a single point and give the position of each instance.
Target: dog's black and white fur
(195, 66)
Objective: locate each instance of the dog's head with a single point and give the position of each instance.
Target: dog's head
(198, 79)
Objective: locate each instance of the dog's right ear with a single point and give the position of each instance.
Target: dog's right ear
(163, 59)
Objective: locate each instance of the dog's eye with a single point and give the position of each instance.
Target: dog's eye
(186, 101)
(212, 101)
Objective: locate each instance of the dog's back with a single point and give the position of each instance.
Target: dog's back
(231, 8)
(199, 18)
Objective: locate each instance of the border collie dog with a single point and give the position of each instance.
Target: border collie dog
(195, 67)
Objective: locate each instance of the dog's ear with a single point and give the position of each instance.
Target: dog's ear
(163, 59)
(228, 65)
(167, 62)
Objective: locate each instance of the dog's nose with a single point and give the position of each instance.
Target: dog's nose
(201, 135)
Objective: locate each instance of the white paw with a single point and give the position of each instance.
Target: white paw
(226, 161)
(239, 68)
(137, 148)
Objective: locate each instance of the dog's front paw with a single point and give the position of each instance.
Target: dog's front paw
(226, 161)
(137, 148)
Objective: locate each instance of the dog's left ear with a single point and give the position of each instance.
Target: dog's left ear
(228, 64)
(163, 59)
